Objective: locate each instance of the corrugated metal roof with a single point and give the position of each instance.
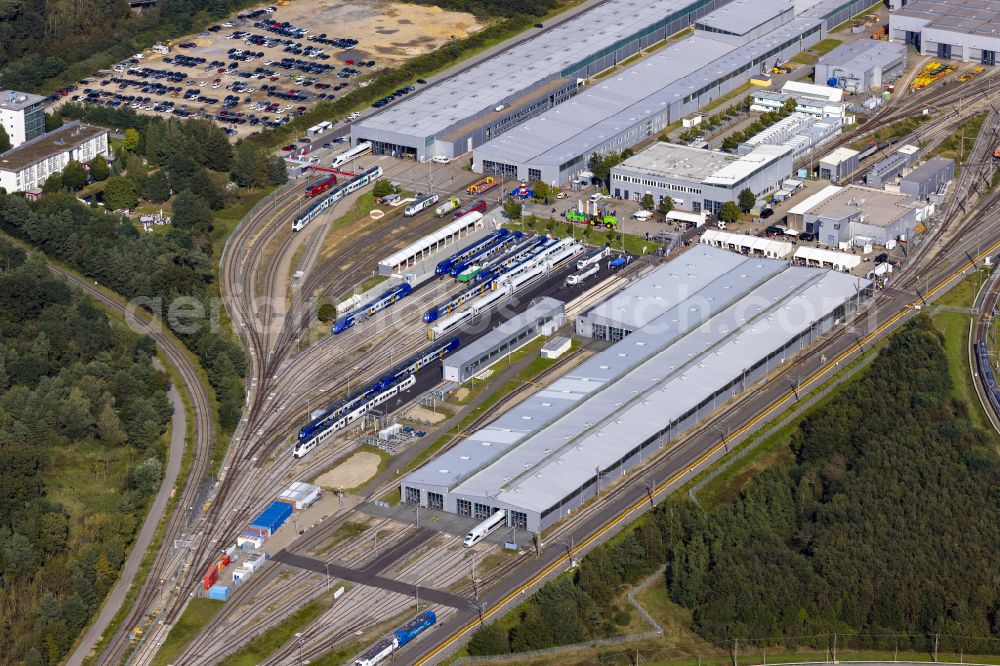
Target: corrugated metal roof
(695, 273)
(473, 351)
(661, 390)
(741, 16)
(610, 106)
(520, 68)
(864, 54)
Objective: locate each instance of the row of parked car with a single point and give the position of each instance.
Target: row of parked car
(379, 103)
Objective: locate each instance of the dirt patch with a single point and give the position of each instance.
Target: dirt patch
(460, 394)
(352, 472)
(424, 415)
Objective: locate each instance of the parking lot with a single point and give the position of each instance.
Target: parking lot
(267, 66)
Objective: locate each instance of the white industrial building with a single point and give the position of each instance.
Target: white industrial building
(860, 216)
(698, 179)
(799, 131)
(861, 65)
(967, 30)
(820, 101)
(456, 115)
(26, 167)
(22, 116)
(543, 318)
(727, 322)
(839, 164)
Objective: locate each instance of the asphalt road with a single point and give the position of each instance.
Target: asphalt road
(116, 597)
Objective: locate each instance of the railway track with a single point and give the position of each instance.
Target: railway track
(250, 243)
(179, 357)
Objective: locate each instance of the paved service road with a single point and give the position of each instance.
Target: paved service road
(117, 595)
(179, 357)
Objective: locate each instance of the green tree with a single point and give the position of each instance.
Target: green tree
(4, 140)
(731, 142)
(53, 121)
(746, 199)
(74, 176)
(99, 169)
(52, 184)
(157, 187)
(489, 639)
(277, 172)
(249, 166)
(647, 202)
(382, 188)
(512, 209)
(665, 206)
(109, 427)
(191, 212)
(730, 212)
(119, 193)
(147, 476)
(542, 190)
(326, 312)
(131, 140)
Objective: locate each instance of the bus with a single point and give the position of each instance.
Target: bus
(357, 151)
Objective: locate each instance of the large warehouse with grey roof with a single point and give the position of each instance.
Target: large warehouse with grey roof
(724, 323)
(460, 113)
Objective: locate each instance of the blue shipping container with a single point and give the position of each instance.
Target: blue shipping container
(414, 627)
(220, 592)
(273, 517)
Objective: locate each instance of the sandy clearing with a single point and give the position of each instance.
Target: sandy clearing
(351, 473)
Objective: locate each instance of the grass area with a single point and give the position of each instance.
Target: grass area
(738, 93)
(804, 58)
(556, 228)
(197, 614)
(825, 46)
(896, 130)
(372, 282)
(955, 328)
(257, 650)
(959, 144)
(393, 497)
(227, 218)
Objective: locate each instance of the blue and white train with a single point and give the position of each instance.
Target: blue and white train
(346, 411)
(411, 365)
(496, 247)
(359, 407)
(338, 192)
(444, 267)
(388, 297)
(385, 647)
(454, 302)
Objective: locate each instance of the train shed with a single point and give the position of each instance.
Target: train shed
(411, 256)
(543, 318)
(560, 446)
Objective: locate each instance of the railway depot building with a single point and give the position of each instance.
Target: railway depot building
(860, 216)
(454, 116)
(698, 179)
(966, 30)
(722, 323)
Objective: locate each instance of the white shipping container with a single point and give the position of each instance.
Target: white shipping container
(247, 542)
(241, 574)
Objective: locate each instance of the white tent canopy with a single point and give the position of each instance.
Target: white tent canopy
(814, 256)
(747, 244)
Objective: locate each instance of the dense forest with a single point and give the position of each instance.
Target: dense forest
(42, 40)
(885, 523)
(182, 161)
(82, 414)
